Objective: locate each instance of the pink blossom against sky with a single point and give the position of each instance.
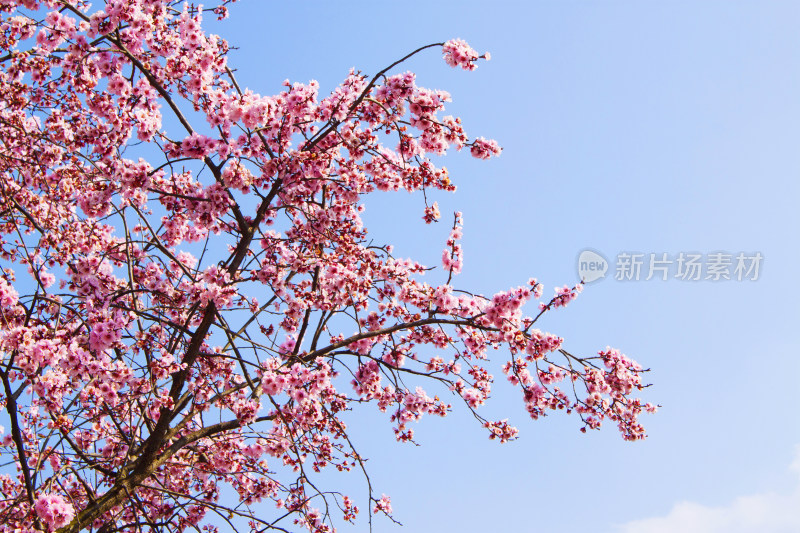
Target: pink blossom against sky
(617, 130)
(625, 126)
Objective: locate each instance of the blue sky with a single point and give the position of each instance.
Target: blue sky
(627, 126)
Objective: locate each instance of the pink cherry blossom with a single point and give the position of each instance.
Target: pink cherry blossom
(197, 309)
(53, 511)
(457, 53)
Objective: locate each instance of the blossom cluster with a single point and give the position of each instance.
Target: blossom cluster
(197, 308)
(457, 53)
(53, 511)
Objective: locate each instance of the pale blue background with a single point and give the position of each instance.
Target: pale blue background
(626, 125)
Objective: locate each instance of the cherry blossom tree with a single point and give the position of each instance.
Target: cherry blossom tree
(193, 313)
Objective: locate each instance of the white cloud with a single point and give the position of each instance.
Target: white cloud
(762, 513)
